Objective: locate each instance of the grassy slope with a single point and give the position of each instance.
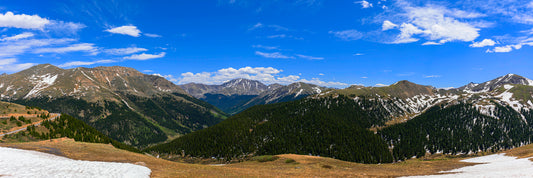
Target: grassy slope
(305, 166)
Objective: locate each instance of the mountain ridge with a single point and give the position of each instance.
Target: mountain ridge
(121, 102)
(239, 94)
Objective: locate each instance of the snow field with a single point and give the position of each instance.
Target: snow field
(24, 163)
(496, 165)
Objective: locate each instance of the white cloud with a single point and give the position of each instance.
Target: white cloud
(358, 54)
(364, 4)
(86, 47)
(148, 71)
(436, 24)
(124, 51)
(152, 35)
(23, 21)
(145, 56)
(485, 42)
(266, 75)
(274, 55)
(321, 74)
(126, 30)
(347, 35)
(407, 31)
(309, 57)
(18, 37)
(364, 77)
(504, 49)
(84, 63)
(381, 85)
(387, 25)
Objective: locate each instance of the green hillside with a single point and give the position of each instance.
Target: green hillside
(327, 127)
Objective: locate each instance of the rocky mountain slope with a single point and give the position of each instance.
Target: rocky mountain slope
(239, 94)
(121, 102)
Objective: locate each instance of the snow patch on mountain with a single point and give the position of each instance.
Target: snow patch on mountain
(317, 89)
(40, 83)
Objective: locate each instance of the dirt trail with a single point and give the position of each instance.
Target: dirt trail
(13, 130)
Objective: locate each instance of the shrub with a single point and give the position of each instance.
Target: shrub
(290, 161)
(265, 158)
(327, 166)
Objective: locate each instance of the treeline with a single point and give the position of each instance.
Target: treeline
(332, 127)
(68, 126)
(139, 127)
(114, 120)
(458, 129)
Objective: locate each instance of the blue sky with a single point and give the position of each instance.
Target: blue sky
(331, 43)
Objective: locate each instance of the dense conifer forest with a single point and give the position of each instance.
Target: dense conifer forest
(458, 129)
(327, 127)
(68, 126)
(339, 128)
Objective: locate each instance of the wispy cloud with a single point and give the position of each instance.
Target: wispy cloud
(364, 4)
(145, 56)
(347, 35)
(18, 37)
(432, 76)
(274, 55)
(12, 65)
(84, 63)
(124, 51)
(273, 27)
(265, 47)
(309, 57)
(152, 35)
(406, 74)
(85, 47)
(126, 30)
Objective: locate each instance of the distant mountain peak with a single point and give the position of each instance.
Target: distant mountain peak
(508, 79)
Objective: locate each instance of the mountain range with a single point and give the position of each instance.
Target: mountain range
(358, 123)
(409, 119)
(239, 94)
(123, 103)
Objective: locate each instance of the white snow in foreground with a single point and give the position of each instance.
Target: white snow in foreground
(497, 165)
(24, 163)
